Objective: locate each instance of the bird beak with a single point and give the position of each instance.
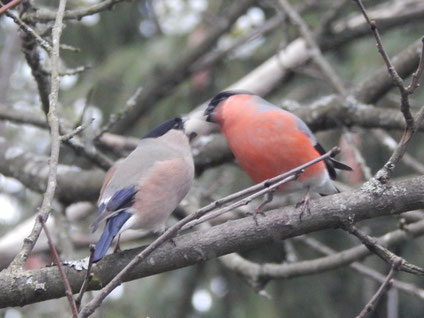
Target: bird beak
(187, 128)
(209, 114)
(191, 136)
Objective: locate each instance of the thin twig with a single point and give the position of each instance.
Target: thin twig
(386, 140)
(75, 14)
(382, 252)
(173, 230)
(27, 29)
(417, 74)
(411, 124)
(76, 131)
(8, 6)
(329, 17)
(407, 288)
(359, 158)
(88, 277)
(68, 289)
(253, 189)
(387, 284)
(114, 118)
(384, 174)
(211, 58)
(75, 71)
(315, 51)
(53, 120)
(242, 202)
(84, 109)
(405, 107)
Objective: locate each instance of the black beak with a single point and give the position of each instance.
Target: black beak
(208, 113)
(192, 136)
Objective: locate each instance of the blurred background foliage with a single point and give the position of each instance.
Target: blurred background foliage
(127, 47)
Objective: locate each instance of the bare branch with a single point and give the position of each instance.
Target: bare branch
(407, 288)
(172, 231)
(117, 117)
(88, 277)
(30, 31)
(382, 252)
(8, 6)
(53, 120)
(68, 290)
(270, 185)
(397, 80)
(387, 284)
(417, 74)
(45, 15)
(315, 50)
(386, 140)
(232, 236)
(385, 173)
(76, 131)
(74, 184)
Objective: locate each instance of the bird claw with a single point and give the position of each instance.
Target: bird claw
(255, 215)
(172, 240)
(304, 204)
(117, 248)
(260, 208)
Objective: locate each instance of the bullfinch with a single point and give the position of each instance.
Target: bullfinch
(142, 190)
(268, 141)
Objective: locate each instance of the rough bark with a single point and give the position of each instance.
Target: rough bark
(372, 200)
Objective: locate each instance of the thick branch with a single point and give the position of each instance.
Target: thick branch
(74, 183)
(233, 236)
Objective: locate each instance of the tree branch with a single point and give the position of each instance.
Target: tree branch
(74, 183)
(232, 236)
(387, 284)
(53, 120)
(386, 240)
(46, 15)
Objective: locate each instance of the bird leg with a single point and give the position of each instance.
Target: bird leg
(304, 204)
(259, 210)
(268, 198)
(171, 240)
(117, 247)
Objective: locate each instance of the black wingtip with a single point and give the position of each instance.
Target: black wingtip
(332, 163)
(340, 165)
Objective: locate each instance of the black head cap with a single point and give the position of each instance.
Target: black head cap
(218, 99)
(163, 128)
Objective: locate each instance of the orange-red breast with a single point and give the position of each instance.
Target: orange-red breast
(268, 141)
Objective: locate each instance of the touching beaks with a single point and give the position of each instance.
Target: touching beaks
(188, 130)
(192, 135)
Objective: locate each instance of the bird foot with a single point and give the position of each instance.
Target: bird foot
(304, 205)
(171, 240)
(117, 248)
(255, 215)
(260, 208)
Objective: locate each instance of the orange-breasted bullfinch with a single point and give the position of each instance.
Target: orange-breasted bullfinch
(142, 190)
(268, 141)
